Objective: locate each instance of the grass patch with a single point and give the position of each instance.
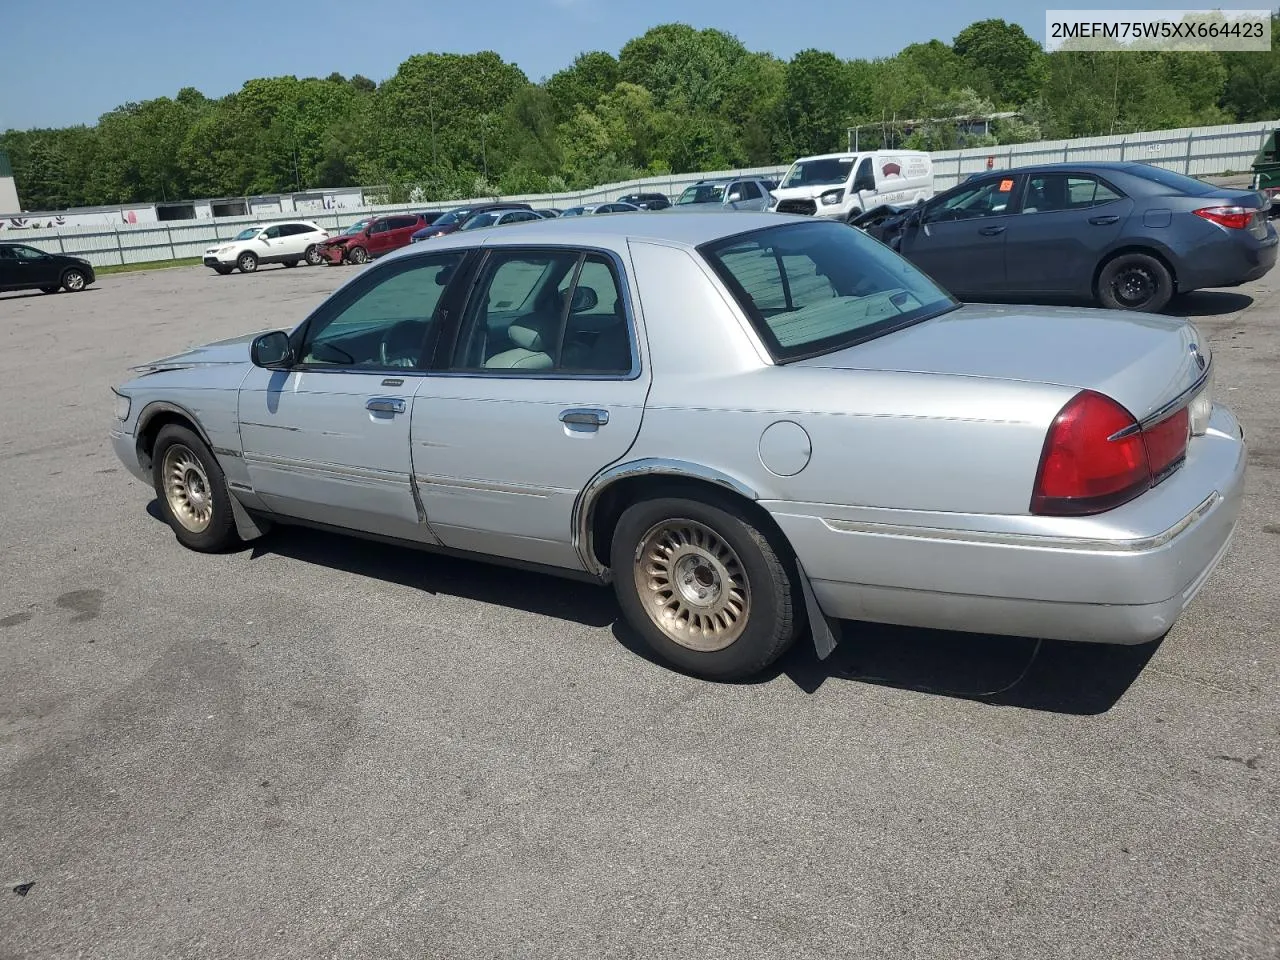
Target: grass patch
(150, 265)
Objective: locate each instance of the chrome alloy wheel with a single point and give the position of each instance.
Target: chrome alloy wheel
(692, 585)
(186, 488)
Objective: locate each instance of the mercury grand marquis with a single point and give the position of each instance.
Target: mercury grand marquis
(756, 426)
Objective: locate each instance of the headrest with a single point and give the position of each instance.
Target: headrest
(528, 335)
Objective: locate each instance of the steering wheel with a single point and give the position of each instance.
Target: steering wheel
(401, 345)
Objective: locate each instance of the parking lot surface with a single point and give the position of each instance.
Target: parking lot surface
(320, 747)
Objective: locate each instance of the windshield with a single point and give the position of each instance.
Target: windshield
(819, 173)
(480, 220)
(453, 217)
(816, 287)
(702, 193)
(356, 227)
(248, 233)
(1167, 178)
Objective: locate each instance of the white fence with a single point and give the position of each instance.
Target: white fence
(1201, 151)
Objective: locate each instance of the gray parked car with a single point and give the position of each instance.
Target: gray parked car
(746, 193)
(750, 423)
(1129, 235)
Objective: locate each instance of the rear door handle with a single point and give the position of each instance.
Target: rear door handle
(991, 231)
(385, 405)
(1102, 221)
(585, 416)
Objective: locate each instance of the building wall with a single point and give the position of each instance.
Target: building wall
(9, 196)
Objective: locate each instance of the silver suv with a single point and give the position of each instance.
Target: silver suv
(743, 193)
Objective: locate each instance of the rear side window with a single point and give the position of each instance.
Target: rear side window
(1056, 191)
(815, 287)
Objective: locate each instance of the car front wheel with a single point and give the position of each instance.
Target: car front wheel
(73, 281)
(247, 262)
(1135, 281)
(358, 255)
(704, 586)
(192, 490)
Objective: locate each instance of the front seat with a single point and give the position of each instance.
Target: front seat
(532, 338)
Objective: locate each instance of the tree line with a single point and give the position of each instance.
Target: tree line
(674, 100)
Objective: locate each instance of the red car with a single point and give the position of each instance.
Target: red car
(372, 237)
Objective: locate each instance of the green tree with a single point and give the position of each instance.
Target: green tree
(818, 101)
(592, 76)
(1001, 61)
(682, 66)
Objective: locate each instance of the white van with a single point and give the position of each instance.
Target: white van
(843, 185)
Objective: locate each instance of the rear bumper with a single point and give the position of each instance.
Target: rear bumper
(1236, 260)
(1122, 578)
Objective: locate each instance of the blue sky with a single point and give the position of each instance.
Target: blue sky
(139, 49)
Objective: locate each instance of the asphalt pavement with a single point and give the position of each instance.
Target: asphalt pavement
(319, 747)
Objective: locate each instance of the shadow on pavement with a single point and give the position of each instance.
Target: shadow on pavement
(1208, 303)
(1071, 678)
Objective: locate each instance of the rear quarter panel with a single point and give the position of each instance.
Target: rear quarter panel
(886, 440)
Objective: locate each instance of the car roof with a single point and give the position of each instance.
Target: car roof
(1098, 166)
(687, 230)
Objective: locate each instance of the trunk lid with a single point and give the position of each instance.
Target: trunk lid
(1142, 361)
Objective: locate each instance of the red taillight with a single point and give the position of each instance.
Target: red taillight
(1096, 458)
(1083, 470)
(1167, 443)
(1234, 218)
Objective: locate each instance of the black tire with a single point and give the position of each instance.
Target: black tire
(247, 262)
(773, 613)
(73, 280)
(219, 531)
(222, 271)
(357, 255)
(292, 263)
(1135, 281)
(313, 257)
(50, 289)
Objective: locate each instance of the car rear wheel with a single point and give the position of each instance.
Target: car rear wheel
(192, 490)
(314, 259)
(358, 255)
(247, 262)
(292, 263)
(1135, 281)
(73, 280)
(704, 587)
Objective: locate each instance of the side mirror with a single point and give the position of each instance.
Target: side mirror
(272, 351)
(864, 183)
(262, 235)
(735, 196)
(584, 298)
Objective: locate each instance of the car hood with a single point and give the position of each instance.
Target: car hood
(1141, 360)
(235, 350)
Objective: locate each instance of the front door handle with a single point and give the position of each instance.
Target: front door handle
(385, 405)
(1102, 221)
(585, 416)
(991, 231)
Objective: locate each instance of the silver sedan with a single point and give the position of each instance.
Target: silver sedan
(755, 426)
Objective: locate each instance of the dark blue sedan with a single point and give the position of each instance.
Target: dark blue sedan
(1128, 235)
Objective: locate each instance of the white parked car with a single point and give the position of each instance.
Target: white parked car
(840, 186)
(289, 242)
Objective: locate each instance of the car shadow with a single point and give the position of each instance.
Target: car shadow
(1208, 303)
(1070, 678)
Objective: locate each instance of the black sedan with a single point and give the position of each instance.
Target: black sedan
(1127, 235)
(25, 268)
